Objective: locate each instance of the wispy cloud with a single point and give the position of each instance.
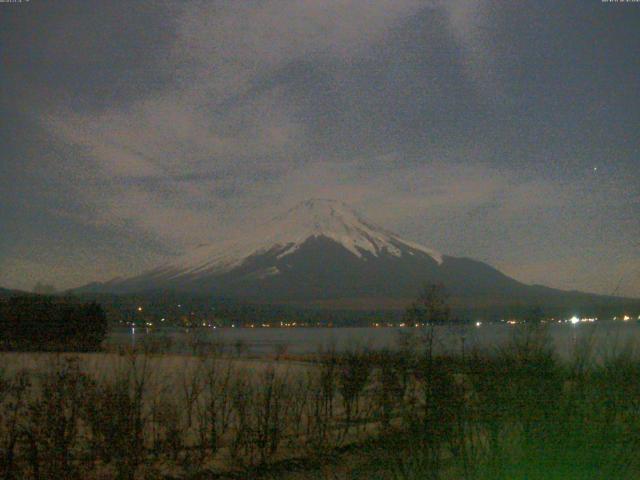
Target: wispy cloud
(217, 115)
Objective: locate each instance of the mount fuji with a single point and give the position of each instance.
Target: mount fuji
(322, 253)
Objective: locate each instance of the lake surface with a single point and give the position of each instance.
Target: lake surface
(604, 337)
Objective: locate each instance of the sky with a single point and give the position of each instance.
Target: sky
(502, 131)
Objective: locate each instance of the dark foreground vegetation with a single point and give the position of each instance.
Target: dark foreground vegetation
(516, 413)
(36, 322)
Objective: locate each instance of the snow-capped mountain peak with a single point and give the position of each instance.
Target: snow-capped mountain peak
(321, 253)
(285, 234)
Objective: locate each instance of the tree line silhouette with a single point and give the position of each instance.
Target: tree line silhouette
(36, 322)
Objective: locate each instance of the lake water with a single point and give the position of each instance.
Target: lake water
(605, 338)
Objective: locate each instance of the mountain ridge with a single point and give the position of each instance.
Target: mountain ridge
(323, 251)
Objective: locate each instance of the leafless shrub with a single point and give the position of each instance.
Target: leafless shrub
(354, 369)
(299, 397)
(191, 386)
(322, 382)
(259, 417)
(14, 393)
(390, 384)
(214, 408)
(52, 426)
(242, 446)
(116, 418)
(166, 425)
(431, 415)
(270, 412)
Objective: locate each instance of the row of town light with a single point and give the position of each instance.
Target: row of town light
(573, 320)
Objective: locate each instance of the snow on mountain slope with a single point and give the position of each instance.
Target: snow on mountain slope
(323, 251)
(285, 234)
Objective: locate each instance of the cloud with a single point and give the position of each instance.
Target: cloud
(231, 44)
(217, 115)
(474, 26)
(189, 151)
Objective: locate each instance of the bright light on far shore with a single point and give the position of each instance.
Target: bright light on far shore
(574, 320)
(478, 324)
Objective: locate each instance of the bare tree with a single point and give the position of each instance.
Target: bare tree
(430, 309)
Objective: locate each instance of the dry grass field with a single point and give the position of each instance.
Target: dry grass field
(389, 414)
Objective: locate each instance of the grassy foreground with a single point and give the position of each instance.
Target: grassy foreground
(516, 413)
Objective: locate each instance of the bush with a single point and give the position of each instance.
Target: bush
(14, 392)
(35, 322)
(51, 429)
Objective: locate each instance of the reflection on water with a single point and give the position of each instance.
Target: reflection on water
(604, 337)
